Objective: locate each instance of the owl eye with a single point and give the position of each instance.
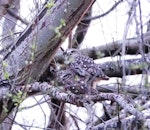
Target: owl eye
(73, 51)
(66, 76)
(67, 53)
(70, 52)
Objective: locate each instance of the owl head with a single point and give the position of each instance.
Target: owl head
(71, 52)
(64, 75)
(70, 55)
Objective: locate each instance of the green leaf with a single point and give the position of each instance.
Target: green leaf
(50, 4)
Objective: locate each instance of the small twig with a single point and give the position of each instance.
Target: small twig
(113, 123)
(90, 113)
(120, 99)
(107, 12)
(17, 17)
(132, 90)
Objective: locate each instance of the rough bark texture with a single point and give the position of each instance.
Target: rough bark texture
(114, 48)
(8, 28)
(32, 52)
(4, 5)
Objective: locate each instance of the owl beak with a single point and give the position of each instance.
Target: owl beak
(66, 59)
(66, 62)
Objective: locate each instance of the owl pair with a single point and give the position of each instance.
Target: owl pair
(81, 73)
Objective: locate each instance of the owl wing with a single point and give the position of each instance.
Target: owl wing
(81, 65)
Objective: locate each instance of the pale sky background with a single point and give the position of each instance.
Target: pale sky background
(101, 31)
(111, 28)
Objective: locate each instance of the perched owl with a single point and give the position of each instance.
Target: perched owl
(74, 82)
(83, 65)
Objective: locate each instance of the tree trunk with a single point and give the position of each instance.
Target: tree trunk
(35, 48)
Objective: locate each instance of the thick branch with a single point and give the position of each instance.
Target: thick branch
(4, 5)
(36, 47)
(9, 24)
(114, 48)
(53, 92)
(112, 66)
(133, 65)
(81, 30)
(134, 89)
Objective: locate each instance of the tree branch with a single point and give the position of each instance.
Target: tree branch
(112, 66)
(114, 48)
(124, 123)
(133, 65)
(134, 89)
(107, 12)
(55, 93)
(35, 48)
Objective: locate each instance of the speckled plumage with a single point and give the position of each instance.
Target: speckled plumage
(83, 65)
(74, 82)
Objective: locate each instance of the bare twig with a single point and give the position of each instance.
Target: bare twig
(114, 123)
(18, 17)
(133, 90)
(107, 12)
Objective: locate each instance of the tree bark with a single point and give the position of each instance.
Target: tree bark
(31, 54)
(8, 31)
(114, 48)
(4, 5)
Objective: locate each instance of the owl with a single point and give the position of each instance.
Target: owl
(83, 65)
(74, 82)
